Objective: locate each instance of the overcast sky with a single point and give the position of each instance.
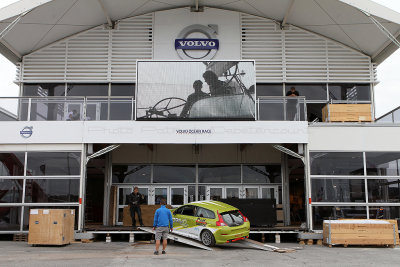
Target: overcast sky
(387, 95)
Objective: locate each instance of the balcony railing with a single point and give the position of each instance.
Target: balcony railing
(99, 108)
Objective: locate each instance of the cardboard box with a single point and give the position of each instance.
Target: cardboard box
(147, 215)
(347, 113)
(51, 226)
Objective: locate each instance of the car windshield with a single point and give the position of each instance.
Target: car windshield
(232, 218)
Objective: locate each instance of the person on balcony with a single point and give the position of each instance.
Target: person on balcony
(292, 92)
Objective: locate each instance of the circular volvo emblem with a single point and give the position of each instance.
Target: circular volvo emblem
(197, 42)
(26, 132)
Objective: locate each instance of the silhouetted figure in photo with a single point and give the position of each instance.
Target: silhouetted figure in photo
(217, 87)
(193, 98)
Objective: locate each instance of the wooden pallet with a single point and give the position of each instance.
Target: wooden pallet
(20, 237)
(361, 245)
(310, 242)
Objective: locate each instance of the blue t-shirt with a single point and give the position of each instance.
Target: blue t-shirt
(163, 217)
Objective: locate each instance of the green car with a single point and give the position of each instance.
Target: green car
(211, 222)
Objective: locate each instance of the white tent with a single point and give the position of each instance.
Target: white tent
(38, 23)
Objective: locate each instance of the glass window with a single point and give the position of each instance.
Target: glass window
(337, 163)
(216, 193)
(44, 89)
(262, 174)
(51, 190)
(202, 193)
(53, 163)
(310, 91)
(96, 89)
(188, 210)
(131, 174)
(382, 163)
(392, 213)
(121, 109)
(191, 193)
(251, 192)
(350, 92)
(333, 213)
(174, 174)
(120, 89)
(269, 89)
(386, 119)
(232, 192)
(11, 190)
(205, 213)
(271, 110)
(10, 218)
(177, 196)
(219, 174)
(338, 190)
(396, 116)
(12, 164)
(314, 112)
(384, 190)
(160, 193)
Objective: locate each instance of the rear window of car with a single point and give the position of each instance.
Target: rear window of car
(232, 218)
(205, 213)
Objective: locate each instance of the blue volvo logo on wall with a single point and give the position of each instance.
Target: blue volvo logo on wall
(26, 132)
(196, 44)
(204, 44)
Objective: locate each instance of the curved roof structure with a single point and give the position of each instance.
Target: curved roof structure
(38, 23)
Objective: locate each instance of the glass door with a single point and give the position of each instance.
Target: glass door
(178, 195)
(215, 193)
(251, 192)
(93, 111)
(232, 192)
(160, 193)
(270, 192)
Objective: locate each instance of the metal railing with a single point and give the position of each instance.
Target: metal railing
(98, 108)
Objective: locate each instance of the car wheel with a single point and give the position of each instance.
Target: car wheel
(207, 238)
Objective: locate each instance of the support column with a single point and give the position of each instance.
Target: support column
(307, 182)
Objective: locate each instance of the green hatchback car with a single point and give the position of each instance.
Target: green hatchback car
(211, 222)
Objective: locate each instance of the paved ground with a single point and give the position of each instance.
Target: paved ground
(141, 254)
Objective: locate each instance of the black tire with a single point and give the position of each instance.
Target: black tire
(207, 238)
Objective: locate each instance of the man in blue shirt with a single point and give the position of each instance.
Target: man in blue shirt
(162, 224)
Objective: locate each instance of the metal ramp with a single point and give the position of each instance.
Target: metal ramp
(179, 238)
(262, 246)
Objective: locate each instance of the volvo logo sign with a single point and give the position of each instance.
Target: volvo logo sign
(203, 45)
(26, 132)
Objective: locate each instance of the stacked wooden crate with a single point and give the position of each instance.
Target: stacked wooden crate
(360, 232)
(51, 226)
(147, 215)
(347, 113)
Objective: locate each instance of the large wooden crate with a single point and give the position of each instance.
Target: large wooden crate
(347, 112)
(147, 215)
(51, 226)
(360, 232)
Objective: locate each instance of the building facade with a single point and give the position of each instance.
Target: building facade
(78, 142)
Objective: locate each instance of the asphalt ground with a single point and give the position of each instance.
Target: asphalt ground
(141, 254)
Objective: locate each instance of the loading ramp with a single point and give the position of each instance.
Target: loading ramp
(246, 242)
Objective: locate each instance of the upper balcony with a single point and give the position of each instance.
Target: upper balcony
(122, 108)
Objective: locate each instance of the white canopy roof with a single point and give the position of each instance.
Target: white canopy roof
(341, 20)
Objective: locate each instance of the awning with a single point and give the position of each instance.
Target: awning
(340, 20)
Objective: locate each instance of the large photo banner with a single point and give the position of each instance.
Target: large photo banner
(195, 90)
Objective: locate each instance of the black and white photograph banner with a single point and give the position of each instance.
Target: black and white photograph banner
(195, 90)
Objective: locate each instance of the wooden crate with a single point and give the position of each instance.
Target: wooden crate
(147, 215)
(360, 232)
(51, 226)
(347, 112)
